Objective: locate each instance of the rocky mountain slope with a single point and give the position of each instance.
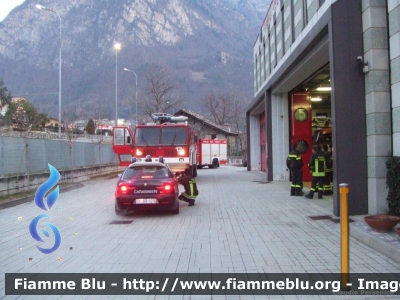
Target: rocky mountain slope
(206, 45)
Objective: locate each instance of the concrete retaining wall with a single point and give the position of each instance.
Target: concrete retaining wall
(19, 183)
(24, 161)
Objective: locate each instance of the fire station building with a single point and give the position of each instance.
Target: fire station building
(328, 71)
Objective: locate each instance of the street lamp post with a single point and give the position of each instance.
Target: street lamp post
(136, 91)
(173, 108)
(41, 7)
(117, 47)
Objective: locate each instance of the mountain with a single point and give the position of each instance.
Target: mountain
(205, 44)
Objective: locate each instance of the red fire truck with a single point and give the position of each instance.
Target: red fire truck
(211, 153)
(172, 141)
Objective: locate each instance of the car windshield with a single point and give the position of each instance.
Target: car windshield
(146, 172)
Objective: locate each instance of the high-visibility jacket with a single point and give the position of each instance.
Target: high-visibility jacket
(317, 164)
(294, 161)
(190, 186)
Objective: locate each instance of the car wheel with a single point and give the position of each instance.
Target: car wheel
(175, 211)
(215, 163)
(119, 212)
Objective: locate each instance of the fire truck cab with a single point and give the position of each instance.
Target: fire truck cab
(172, 140)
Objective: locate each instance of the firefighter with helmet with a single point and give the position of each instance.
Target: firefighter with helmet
(190, 185)
(317, 167)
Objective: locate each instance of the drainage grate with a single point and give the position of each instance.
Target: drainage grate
(338, 221)
(316, 218)
(262, 182)
(119, 222)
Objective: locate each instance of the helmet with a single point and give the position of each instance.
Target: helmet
(187, 171)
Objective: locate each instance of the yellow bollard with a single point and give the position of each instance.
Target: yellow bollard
(344, 230)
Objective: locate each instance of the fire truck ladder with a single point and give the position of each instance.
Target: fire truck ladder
(164, 118)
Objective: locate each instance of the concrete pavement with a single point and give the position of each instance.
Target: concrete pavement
(239, 224)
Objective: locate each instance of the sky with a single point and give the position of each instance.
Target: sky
(7, 5)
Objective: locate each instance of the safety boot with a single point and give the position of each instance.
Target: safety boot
(310, 195)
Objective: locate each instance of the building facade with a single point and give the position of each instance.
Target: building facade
(206, 129)
(329, 71)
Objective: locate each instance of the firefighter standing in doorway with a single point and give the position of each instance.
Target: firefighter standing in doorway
(295, 165)
(317, 167)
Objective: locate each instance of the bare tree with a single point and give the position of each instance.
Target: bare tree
(223, 108)
(161, 92)
(228, 109)
(239, 124)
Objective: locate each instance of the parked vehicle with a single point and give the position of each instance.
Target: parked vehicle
(211, 153)
(147, 185)
(173, 140)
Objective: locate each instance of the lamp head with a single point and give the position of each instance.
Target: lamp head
(117, 46)
(38, 6)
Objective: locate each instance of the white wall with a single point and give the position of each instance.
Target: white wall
(255, 145)
(280, 135)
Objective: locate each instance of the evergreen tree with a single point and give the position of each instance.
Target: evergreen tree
(5, 96)
(90, 127)
(23, 115)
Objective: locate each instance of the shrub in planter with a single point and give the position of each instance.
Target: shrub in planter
(393, 184)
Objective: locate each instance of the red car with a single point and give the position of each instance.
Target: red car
(146, 186)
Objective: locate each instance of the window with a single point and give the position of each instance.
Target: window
(147, 136)
(146, 172)
(173, 136)
(127, 137)
(118, 136)
(301, 114)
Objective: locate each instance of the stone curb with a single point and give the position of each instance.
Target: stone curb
(385, 243)
(15, 202)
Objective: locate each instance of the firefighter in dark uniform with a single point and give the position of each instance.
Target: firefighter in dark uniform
(189, 183)
(295, 165)
(328, 170)
(317, 167)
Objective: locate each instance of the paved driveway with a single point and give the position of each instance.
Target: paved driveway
(237, 225)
